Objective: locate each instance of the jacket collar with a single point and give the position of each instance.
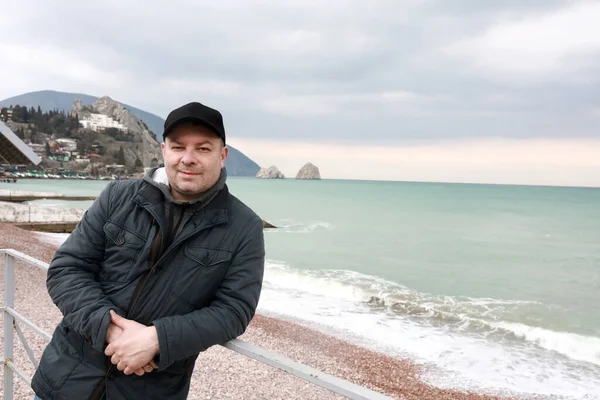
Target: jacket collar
(152, 198)
(157, 190)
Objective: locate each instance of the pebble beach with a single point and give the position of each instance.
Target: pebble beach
(221, 373)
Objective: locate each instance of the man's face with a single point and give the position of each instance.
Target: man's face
(193, 156)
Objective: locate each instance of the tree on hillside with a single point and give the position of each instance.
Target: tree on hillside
(81, 145)
(17, 114)
(33, 133)
(121, 157)
(139, 167)
(118, 134)
(58, 125)
(86, 138)
(23, 114)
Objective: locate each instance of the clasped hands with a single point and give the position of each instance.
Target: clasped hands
(131, 345)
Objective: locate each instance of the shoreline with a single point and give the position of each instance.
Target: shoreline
(223, 374)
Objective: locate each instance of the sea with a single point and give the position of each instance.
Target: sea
(491, 288)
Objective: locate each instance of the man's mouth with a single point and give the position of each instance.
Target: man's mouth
(188, 173)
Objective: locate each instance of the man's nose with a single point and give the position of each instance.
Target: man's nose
(188, 157)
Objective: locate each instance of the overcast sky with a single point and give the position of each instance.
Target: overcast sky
(461, 90)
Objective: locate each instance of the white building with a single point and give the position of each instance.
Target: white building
(67, 144)
(100, 122)
(80, 160)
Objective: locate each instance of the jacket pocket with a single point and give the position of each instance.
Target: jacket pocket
(199, 275)
(123, 247)
(59, 360)
(207, 257)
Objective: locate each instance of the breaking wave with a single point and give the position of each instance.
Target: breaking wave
(487, 317)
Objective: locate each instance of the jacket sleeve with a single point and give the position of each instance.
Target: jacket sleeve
(227, 316)
(71, 279)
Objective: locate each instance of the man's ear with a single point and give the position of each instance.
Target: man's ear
(224, 154)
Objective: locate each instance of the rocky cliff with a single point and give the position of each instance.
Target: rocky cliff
(270, 173)
(308, 171)
(143, 142)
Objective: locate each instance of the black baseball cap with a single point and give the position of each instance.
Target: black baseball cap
(198, 113)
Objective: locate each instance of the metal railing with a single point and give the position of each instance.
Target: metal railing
(12, 319)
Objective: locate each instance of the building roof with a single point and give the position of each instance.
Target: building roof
(13, 150)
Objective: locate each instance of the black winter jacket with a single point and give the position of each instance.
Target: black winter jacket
(201, 290)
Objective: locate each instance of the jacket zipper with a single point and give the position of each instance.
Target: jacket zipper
(155, 243)
(172, 233)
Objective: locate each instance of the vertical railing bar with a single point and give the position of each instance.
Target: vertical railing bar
(26, 345)
(9, 301)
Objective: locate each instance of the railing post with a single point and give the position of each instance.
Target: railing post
(9, 301)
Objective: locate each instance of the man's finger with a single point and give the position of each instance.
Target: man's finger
(139, 372)
(153, 364)
(121, 365)
(117, 319)
(128, 370)
(109, 351)
(114, 359)
(148, 368)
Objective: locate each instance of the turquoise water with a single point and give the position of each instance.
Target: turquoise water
(498, 286)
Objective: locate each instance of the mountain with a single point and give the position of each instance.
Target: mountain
(237, 163)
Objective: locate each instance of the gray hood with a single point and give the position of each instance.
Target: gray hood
(157, 177)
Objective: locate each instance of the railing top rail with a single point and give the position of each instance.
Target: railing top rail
(24, 257)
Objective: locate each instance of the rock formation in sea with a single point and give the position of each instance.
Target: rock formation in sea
(308, 171)
(270, 173)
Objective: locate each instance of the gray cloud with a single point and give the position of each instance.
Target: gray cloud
(322, 71)
(467, 7)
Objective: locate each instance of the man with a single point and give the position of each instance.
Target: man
(158, 270)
